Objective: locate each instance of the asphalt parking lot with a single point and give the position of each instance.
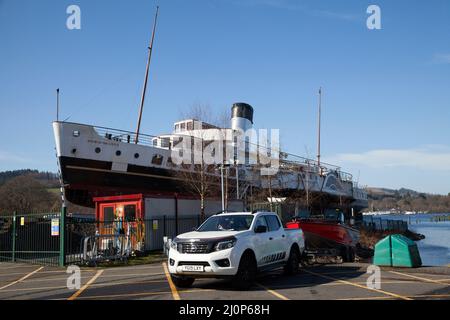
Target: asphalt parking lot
(343, 281)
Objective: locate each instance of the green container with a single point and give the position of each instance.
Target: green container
(383, 252)
(397, 251)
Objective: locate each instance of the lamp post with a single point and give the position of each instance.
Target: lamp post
(222, 167)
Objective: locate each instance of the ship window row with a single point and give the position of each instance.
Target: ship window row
(161, 142)
(193, 124)
(188, 125)
(157, 158)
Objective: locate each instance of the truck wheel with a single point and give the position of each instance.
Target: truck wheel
(293, 262)
(183, 282)
(351, 254)
(344, 254)
(348, 254)
(246, 273)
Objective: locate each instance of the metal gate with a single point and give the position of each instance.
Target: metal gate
(159, 227)
(30, 238)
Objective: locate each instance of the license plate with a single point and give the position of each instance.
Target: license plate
(192, 268)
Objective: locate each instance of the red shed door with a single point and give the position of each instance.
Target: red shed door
(125, 216)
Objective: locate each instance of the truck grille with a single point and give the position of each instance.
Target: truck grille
(194, 263)
(194, 247)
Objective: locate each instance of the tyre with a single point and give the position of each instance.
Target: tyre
(182, 282)
(344, 254)
(351, 254)
(246, 273)
(348, 254)
(293, 262)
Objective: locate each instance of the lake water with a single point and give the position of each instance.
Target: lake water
(435, 248)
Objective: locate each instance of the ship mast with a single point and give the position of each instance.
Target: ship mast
(57, 104)
(318, 127)
(144, 89)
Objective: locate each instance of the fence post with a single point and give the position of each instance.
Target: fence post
(176, 214)
(13, 254)
(62, 229)
(164, 225)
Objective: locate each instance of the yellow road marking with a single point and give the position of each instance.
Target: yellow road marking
(143, 294)
(173, 288)
(21, 279)
(418, 278)
(358, 285)
(76, 294)
(273, 292)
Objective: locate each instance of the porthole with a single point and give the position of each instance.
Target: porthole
(98, 150)
(136, 155)
(74, 150)
(118, 153)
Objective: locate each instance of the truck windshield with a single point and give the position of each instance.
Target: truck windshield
(227, 223)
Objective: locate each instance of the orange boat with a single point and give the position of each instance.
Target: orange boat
(322, 234)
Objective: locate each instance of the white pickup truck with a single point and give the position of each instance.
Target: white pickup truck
(235, 245)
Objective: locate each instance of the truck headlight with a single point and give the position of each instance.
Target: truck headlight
(174, 245)
(223, 245)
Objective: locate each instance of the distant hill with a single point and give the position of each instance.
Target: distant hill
(379, 193)
(49, 179)
(32, 190)
(382, 199)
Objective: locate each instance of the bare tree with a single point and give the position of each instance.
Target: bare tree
(199, 177)
(24, 194)
(201, 180)
(204, 113)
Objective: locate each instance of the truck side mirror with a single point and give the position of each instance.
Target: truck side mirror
(261, 229)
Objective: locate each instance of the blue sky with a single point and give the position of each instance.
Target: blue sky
(386, 103)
